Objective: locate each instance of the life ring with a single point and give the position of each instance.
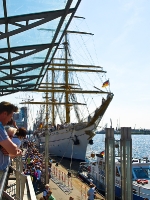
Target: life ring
(89, 168)
(92, 154)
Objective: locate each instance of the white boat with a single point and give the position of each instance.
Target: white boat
(73, 117)
(95, 171)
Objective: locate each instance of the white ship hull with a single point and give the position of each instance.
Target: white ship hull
(62, 142)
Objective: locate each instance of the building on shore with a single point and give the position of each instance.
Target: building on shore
(21, 117)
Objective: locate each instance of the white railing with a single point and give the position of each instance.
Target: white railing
(21, 186)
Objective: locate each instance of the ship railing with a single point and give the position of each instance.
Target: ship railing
(98, 179)
(138, 192)
(96, 116)
(16, 185)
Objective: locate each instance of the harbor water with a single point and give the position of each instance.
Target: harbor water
(140, 148)
(140, 145)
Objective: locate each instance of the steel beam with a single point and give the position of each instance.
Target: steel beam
(43, 17)
(34, 48)
(110, 164)
(59, 28)
(126, 164)
(21, 66)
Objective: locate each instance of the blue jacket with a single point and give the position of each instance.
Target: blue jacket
(4, 159)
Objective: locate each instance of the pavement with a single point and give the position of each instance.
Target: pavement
(61, 191)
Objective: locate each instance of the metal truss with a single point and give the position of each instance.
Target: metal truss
(16, 77)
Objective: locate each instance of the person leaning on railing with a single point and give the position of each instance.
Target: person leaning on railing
(6, 112)
(19, 136)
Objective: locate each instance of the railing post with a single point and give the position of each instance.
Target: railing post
(22, 181)
(17, 179)
(21, 164)
(126, 163)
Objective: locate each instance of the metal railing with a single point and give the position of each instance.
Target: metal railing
(3, 177)
(21, 187)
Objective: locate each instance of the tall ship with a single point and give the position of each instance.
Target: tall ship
(76, 96)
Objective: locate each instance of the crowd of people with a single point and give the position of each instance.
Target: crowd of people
(34, 166)
(10, 147)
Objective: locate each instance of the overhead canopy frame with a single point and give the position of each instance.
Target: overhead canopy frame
(22, 40)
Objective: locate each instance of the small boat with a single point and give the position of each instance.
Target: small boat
(94, 171)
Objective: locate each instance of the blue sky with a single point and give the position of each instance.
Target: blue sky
(121, 32)
(121, 36)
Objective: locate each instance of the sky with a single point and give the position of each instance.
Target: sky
(121, 35)
(121, 32)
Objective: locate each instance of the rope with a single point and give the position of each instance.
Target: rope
(65, 149)
(72, 151)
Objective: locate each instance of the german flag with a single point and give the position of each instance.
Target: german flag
(102, 154)
(106, 83)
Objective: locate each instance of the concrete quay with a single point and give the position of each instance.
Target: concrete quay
(74, 188)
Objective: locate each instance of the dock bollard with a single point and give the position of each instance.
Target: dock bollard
(56, 172)
(70, 183)
(71, 186)
(59, 175)
(53, 170)
(64, 182)
(83, 192)
(62, 176)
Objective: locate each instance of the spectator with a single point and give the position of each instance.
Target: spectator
(45, 192)
(91, 192)
(6, 112)
(50, 196)
(11, 132)
(38, 177)
(34, 179)
(20, 134)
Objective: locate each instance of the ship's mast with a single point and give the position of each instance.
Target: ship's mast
(53, 97)
(46, 136)
(66, 81)
(68, 88)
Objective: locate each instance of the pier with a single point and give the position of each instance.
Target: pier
(64, 187)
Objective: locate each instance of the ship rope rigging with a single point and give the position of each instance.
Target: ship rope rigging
(72, 98)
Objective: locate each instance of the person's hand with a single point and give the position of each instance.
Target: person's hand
(4, 151)
(19, 152)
